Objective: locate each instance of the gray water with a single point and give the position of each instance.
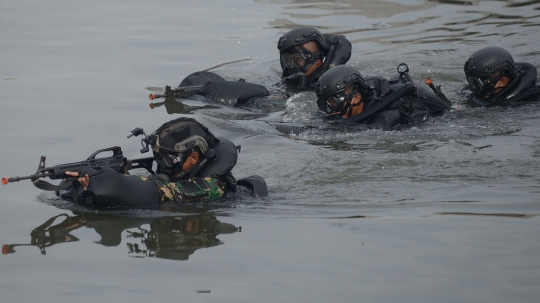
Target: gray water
(442, 212)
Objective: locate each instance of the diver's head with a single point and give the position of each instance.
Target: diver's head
(340, 91)
(489, 70)
(301, 50)
(179, 144)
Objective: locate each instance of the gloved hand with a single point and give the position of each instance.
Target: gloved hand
(84, 176)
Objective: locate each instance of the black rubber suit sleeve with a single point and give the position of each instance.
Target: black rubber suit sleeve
(254, 186)
(388, 119)
(233, 92)
(110, 189)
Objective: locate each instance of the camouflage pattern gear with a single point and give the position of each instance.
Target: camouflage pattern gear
(192, 190)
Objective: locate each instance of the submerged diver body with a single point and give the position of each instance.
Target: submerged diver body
(192, 165)
(232, 93)
(305, 54)
(344, 94)
(495, 79)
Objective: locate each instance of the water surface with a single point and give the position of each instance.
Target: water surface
(446, 211)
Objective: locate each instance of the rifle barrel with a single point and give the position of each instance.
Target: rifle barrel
(178, 92)
(430, 84)
(155, 96)
(17, 179)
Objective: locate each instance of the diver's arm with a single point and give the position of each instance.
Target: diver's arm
(233, 92)
(106, 188)
(388, 119)
(109, 188)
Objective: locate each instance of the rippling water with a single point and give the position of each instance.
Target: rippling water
(446, 211)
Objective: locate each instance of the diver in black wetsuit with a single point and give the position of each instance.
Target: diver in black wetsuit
(192, 166)
(495, 79)
(305, 54)
(343, 93)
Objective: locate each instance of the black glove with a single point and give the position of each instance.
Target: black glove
(87, 171)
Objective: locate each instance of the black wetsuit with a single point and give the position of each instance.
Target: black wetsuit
(395, 102)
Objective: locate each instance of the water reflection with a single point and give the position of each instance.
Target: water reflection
(178, 237)
(167, 237)
(47, 234)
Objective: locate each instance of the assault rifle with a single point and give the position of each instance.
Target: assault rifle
(117, 162)
(178, 92)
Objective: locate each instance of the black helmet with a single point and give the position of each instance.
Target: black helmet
(176, 139)
(485, 68)
(331, 86)
(299, 36)
(299, 59)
